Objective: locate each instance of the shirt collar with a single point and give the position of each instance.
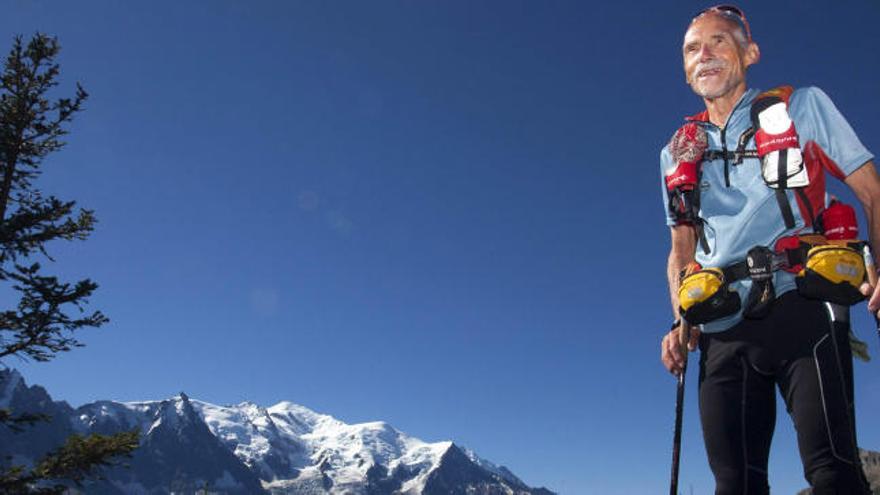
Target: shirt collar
(746, 97)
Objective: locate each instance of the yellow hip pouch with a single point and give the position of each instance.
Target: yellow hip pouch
(832, 273)
(704, 296)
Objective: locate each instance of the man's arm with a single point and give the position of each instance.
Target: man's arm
(681, 253)
(865, 183)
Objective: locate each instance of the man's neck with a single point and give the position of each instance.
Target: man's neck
(720, 108)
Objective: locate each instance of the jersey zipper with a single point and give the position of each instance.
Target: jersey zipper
(724, 151)
(724, 139)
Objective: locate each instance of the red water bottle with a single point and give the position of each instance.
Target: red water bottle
(840, 224)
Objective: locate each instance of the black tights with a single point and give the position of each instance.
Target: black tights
(794, 348)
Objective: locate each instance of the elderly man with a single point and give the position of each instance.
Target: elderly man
(759, 180)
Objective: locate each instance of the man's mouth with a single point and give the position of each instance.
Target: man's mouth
(709, 72)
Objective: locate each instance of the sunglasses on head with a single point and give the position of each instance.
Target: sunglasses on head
(730, 12)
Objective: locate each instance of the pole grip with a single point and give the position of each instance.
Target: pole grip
(684, 335)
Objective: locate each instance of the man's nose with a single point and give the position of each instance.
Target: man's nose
(706, 52)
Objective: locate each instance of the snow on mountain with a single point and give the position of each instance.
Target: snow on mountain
(318, 449)
(286, 448)
(251, 434)
(501, 471)
(108, 416)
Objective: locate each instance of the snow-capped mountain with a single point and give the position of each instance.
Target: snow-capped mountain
(322, 451)
(187, 445)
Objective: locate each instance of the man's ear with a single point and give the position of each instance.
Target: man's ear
(753, 54)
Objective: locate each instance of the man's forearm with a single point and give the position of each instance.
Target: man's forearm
(673, 269)
(681, 254)
(865, 183)
(872, 217)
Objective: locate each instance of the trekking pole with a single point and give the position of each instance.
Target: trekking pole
(683, 337)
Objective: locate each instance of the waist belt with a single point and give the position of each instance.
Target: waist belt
(788, 259)
(826, 271)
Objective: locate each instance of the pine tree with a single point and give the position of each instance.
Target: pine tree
(49, 311)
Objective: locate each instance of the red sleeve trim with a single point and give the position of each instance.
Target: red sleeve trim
(812, 152)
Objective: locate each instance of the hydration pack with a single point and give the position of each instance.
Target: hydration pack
(777, 145)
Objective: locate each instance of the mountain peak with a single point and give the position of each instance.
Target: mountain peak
(10, 379)
(301, 418)
(12, 372)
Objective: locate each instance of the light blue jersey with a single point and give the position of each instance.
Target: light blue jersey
(746, 214)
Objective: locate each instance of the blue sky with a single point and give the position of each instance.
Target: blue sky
(445, 215)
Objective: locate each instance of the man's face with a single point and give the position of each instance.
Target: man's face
(714, 61)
